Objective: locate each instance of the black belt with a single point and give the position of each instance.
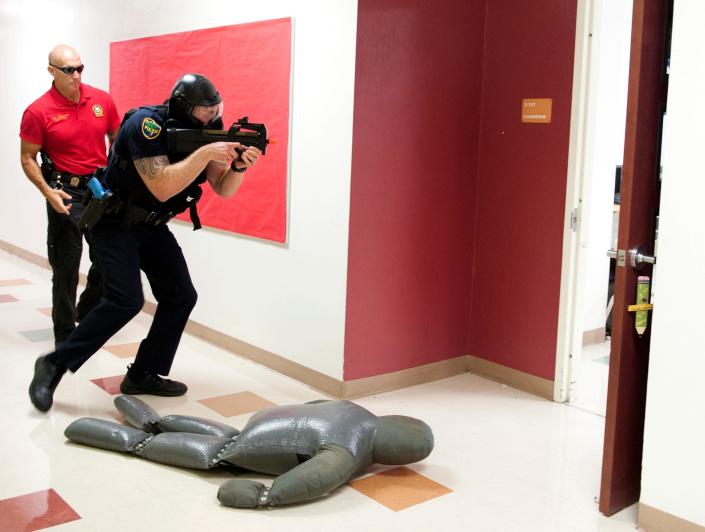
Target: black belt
(72, 180)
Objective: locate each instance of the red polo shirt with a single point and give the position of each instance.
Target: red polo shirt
(71, 134)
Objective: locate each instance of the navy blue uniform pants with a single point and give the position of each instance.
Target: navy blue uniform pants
(121, 254)
(64, 248)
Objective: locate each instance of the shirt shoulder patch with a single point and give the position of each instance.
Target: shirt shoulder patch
(150, 128)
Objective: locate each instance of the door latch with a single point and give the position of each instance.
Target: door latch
(618, 254)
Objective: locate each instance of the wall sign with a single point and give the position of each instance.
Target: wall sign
(536, 110)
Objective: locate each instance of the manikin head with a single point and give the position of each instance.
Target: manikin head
(401, 440)
(194, 99)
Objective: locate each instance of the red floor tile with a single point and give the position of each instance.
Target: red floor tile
(35, 511)
(109, 384)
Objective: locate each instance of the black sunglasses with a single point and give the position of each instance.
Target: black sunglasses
(69, 70)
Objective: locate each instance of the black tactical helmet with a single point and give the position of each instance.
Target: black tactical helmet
(191, 90)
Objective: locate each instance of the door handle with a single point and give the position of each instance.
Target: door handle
(636, 257)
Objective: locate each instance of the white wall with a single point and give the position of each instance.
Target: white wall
(609, 71)
(287, 299)
(674, 455)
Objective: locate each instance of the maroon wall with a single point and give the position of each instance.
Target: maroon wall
(414, 168)
(453, 249)
(521, 194)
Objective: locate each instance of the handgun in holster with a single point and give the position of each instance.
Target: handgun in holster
(97, 207)
(47, 166)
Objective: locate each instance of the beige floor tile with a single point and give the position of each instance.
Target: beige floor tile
(235, 404)
(123, 350)
(399, 488)
(14, 282)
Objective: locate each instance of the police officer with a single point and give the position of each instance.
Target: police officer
(146, 183)
(68, 124)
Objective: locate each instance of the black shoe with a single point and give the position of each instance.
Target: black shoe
(152, 384)
(47, 375)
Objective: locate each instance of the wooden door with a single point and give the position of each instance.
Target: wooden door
(626, 395)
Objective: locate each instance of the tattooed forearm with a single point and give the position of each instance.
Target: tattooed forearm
(151, 167)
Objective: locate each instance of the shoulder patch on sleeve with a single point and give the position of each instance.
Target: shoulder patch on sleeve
(150, 128)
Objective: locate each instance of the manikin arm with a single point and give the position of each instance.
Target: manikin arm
(332, 466)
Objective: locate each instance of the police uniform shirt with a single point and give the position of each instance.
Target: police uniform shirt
(142, 135)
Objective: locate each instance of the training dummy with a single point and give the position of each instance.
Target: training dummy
(311, 448)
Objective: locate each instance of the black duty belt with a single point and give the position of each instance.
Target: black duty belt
(72, 180)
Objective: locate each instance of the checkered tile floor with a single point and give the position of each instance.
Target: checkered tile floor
(504, 460)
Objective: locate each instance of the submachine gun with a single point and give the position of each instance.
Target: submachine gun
(183, 142)
(180, 144)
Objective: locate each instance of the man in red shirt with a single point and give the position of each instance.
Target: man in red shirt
(68, 125)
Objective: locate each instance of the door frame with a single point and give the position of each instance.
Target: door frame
(569, 334)
(569, 339)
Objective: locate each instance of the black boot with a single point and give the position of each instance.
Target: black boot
(47, 375)
(137, 383)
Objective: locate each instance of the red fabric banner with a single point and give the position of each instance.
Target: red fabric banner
(250, 65)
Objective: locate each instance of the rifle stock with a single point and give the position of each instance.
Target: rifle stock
(183, 142)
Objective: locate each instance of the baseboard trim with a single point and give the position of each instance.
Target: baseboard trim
(512, 377)
(594, 336)
(404, 378)
(330, 386)
(312, 378)
(654, 520)
(24, 254)
(29, 256)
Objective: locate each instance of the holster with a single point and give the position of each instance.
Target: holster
(47, 166)
(97, 208)
(140, 210)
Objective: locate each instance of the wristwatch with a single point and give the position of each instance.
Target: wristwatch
(238, 170)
